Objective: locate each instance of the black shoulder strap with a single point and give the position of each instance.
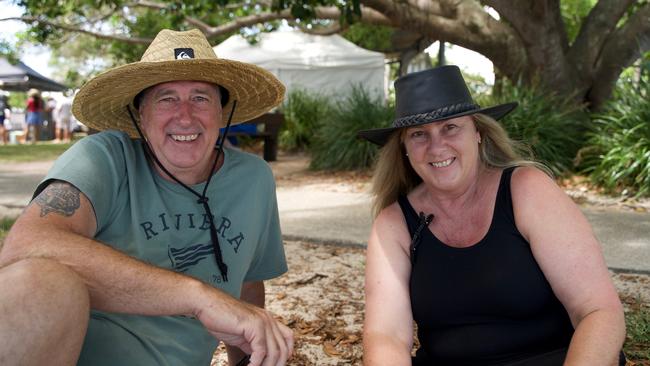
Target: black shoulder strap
(415, 229)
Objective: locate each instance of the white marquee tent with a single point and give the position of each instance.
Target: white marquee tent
(323, 64)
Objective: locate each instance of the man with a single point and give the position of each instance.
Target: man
(139, 241)
(63, 120)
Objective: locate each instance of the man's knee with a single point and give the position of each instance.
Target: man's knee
(45, 311)
(46, 283)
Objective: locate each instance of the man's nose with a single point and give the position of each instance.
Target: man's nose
(184, 111)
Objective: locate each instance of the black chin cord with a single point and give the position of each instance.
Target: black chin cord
(202, 198)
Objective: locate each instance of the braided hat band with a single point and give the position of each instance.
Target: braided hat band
(432, 95)
(440, 113)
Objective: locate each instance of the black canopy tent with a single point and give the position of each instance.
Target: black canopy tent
(20, 77)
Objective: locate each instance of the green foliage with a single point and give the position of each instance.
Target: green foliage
(637, 323)
(147, 24)
(305, 10)
(336, 146)
(619, 154)
(303, 114)
(8, 51)
(5, 225)
(18, 100)
(573, 13)
(552, 126)
(372, 37)
(72, 50)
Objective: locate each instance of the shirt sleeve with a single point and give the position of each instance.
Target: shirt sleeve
(95, 165)
(269, 260)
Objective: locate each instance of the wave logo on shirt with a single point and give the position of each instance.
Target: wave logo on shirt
(184, 258)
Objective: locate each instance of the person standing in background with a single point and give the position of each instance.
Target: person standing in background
(34, 115)
(5, 111)
(63, 119)
(49, 125)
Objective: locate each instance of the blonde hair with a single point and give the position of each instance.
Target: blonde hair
(393, 175)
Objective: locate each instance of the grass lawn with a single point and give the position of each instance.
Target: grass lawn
(637, 343)
(26, 153)
(5, 224)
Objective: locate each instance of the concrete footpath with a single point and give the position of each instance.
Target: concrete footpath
(344, 218)
(333, 213)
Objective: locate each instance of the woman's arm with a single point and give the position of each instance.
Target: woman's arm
(388, 325)
(568, 253)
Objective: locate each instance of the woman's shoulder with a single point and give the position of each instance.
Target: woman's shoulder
(532, 189)
(390, 213)
(529, 179)
(390, 224)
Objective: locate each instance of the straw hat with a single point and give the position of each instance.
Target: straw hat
(432, 95)
(102, 102)
(32, 92)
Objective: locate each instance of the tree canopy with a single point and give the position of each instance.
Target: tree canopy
(575, 48)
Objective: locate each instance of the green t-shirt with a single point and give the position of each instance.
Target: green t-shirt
(159, 222)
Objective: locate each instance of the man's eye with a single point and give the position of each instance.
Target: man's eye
(167, 100)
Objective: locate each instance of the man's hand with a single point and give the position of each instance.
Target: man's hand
(249, 328)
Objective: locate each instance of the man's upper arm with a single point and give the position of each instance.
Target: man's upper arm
(62, 204)
(58, 207)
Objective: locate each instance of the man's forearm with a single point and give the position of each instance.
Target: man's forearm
(115, 281)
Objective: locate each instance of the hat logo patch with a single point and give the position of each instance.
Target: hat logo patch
(183, 53)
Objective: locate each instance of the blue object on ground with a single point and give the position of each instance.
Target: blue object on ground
(246, 128)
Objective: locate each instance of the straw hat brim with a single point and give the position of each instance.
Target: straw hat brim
(380, 136)
(102, 102)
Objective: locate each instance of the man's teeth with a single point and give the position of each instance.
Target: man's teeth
(185, 137)
(442, 164)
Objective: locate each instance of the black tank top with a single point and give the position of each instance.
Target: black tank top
(487, 304)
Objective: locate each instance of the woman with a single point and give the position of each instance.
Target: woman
(34, 117)
(495, 264)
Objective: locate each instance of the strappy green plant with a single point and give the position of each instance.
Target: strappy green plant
(336, 146)
(553, 127)
(303, 113)
(618, 157)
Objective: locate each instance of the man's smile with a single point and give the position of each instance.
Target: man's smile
(185, 138)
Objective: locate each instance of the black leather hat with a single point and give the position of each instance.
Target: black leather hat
(432, 95)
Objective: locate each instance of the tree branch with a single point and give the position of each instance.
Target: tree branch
(111, 37)
(329, 30)
(595, 29)
(147, 4)
(541, 29)
(463, 23)
(620, 50)
(367, 15)
(202, 26)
